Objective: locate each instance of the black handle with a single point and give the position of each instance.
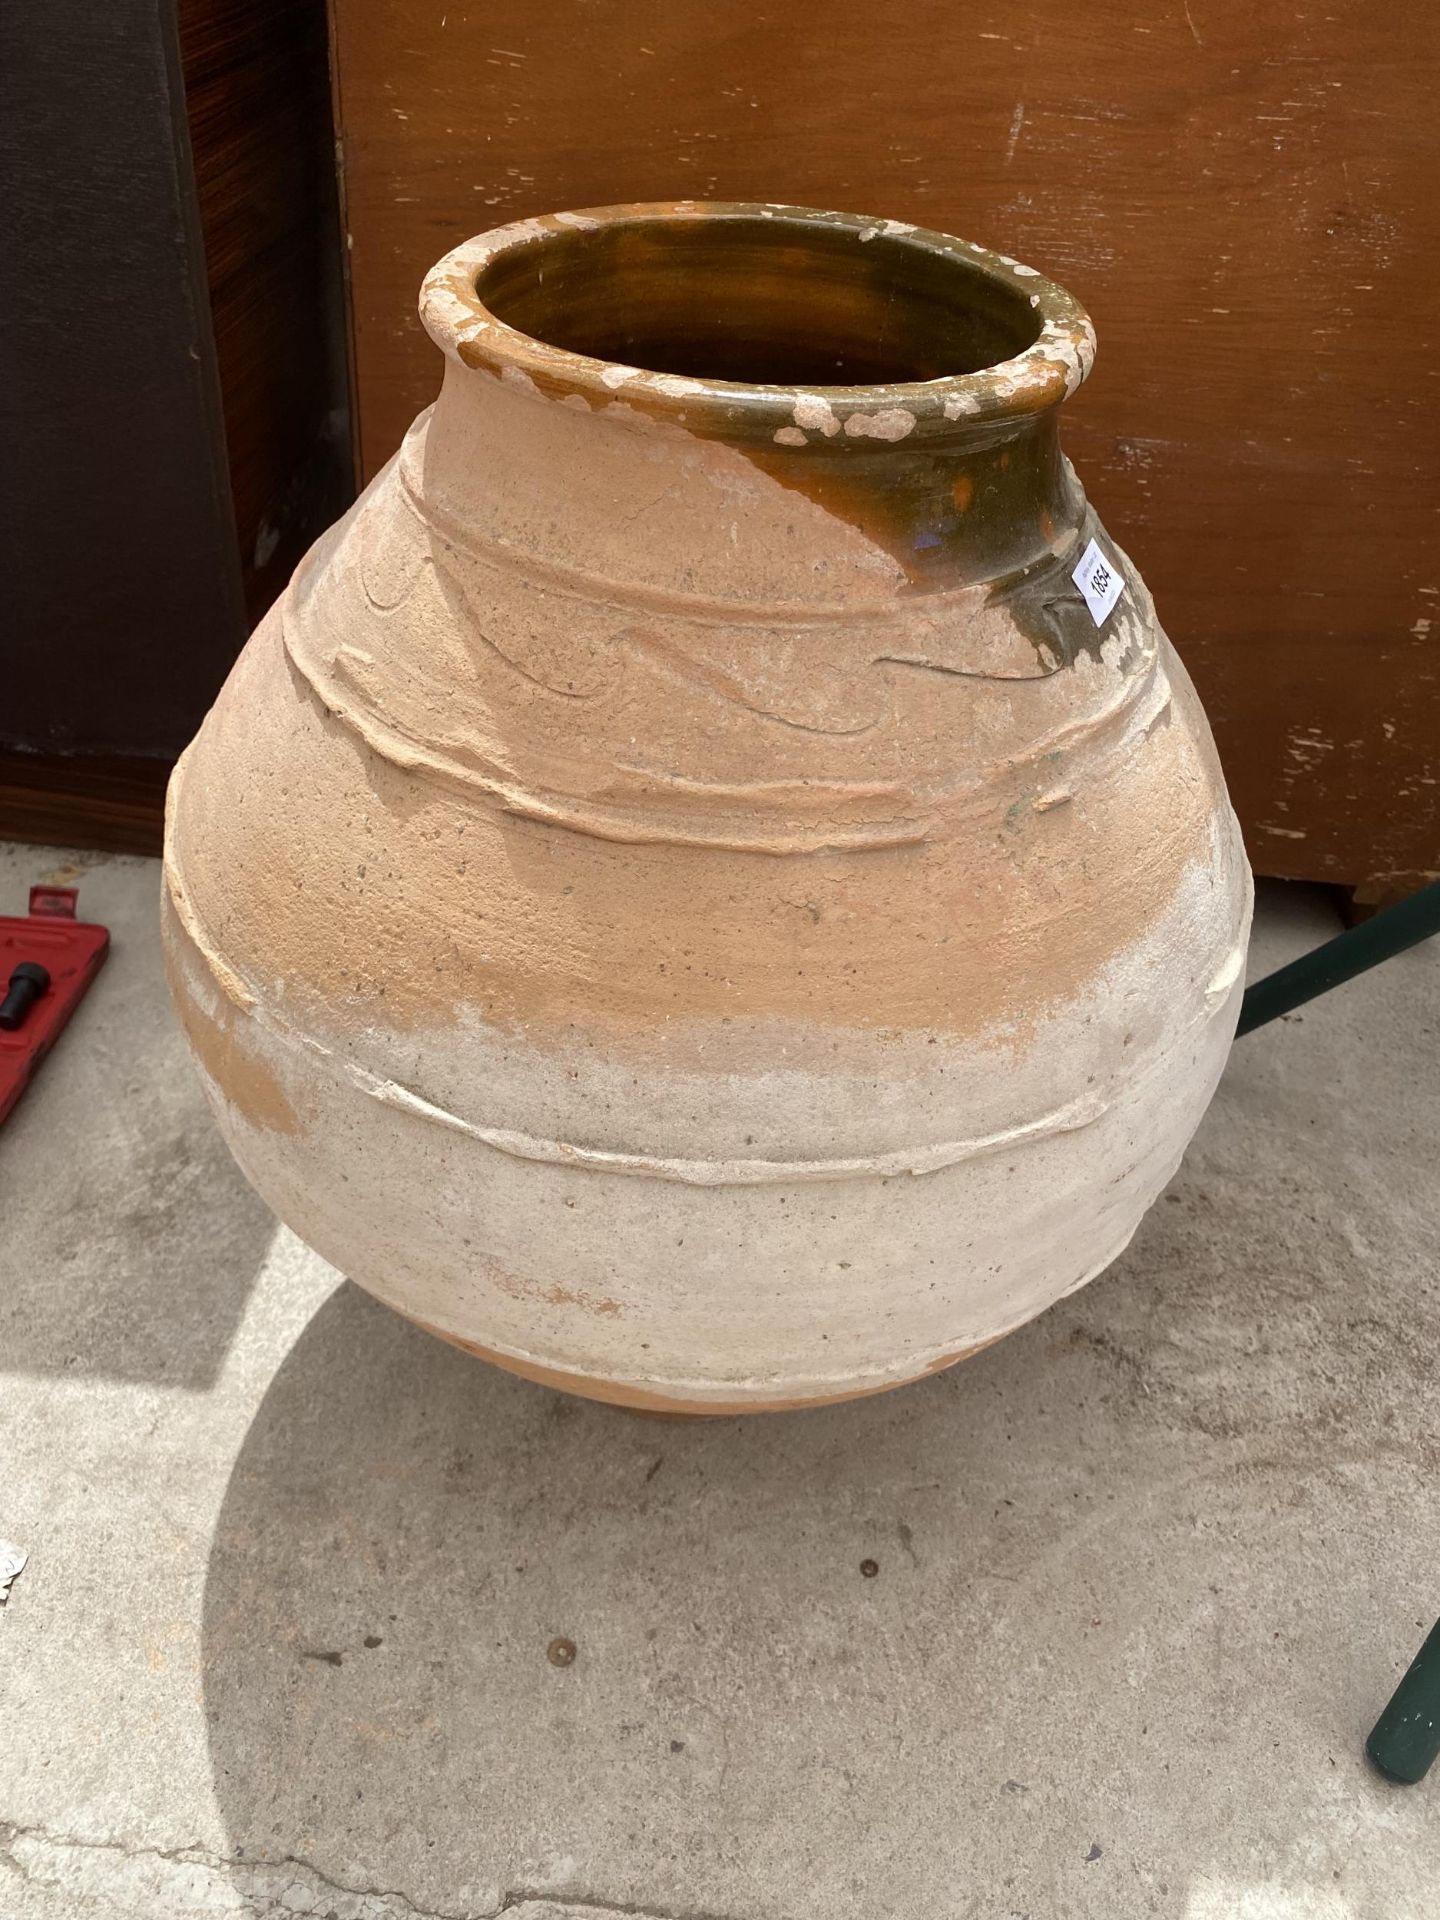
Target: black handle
(27, 983)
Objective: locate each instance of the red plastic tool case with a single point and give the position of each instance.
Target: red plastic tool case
(72, 952)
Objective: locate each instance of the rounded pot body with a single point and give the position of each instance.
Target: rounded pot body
(682, 894)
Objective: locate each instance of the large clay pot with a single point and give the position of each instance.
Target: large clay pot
(683, 895)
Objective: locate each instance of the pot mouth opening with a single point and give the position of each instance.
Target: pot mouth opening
(734, 313)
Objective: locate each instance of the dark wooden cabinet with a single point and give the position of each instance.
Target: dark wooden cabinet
(173, 420)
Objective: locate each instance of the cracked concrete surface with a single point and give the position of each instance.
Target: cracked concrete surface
(1143, 1573)
(97, 1879)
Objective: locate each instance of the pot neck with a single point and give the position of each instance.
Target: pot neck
(749, 488)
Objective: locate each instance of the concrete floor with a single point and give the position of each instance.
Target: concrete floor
(1147, 1569)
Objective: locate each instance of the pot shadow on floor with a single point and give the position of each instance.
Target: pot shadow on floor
(1068, 1629)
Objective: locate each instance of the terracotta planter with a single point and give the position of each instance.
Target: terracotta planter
(683, 895)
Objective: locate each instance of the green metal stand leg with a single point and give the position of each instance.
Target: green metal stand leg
(1406, 1737)
(1389, 932)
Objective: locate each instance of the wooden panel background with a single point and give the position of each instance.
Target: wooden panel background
(1244, 196)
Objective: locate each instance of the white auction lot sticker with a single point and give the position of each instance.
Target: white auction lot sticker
(1100, 580)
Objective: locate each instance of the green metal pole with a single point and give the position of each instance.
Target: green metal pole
(1406, 1737)
(1388, 932)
